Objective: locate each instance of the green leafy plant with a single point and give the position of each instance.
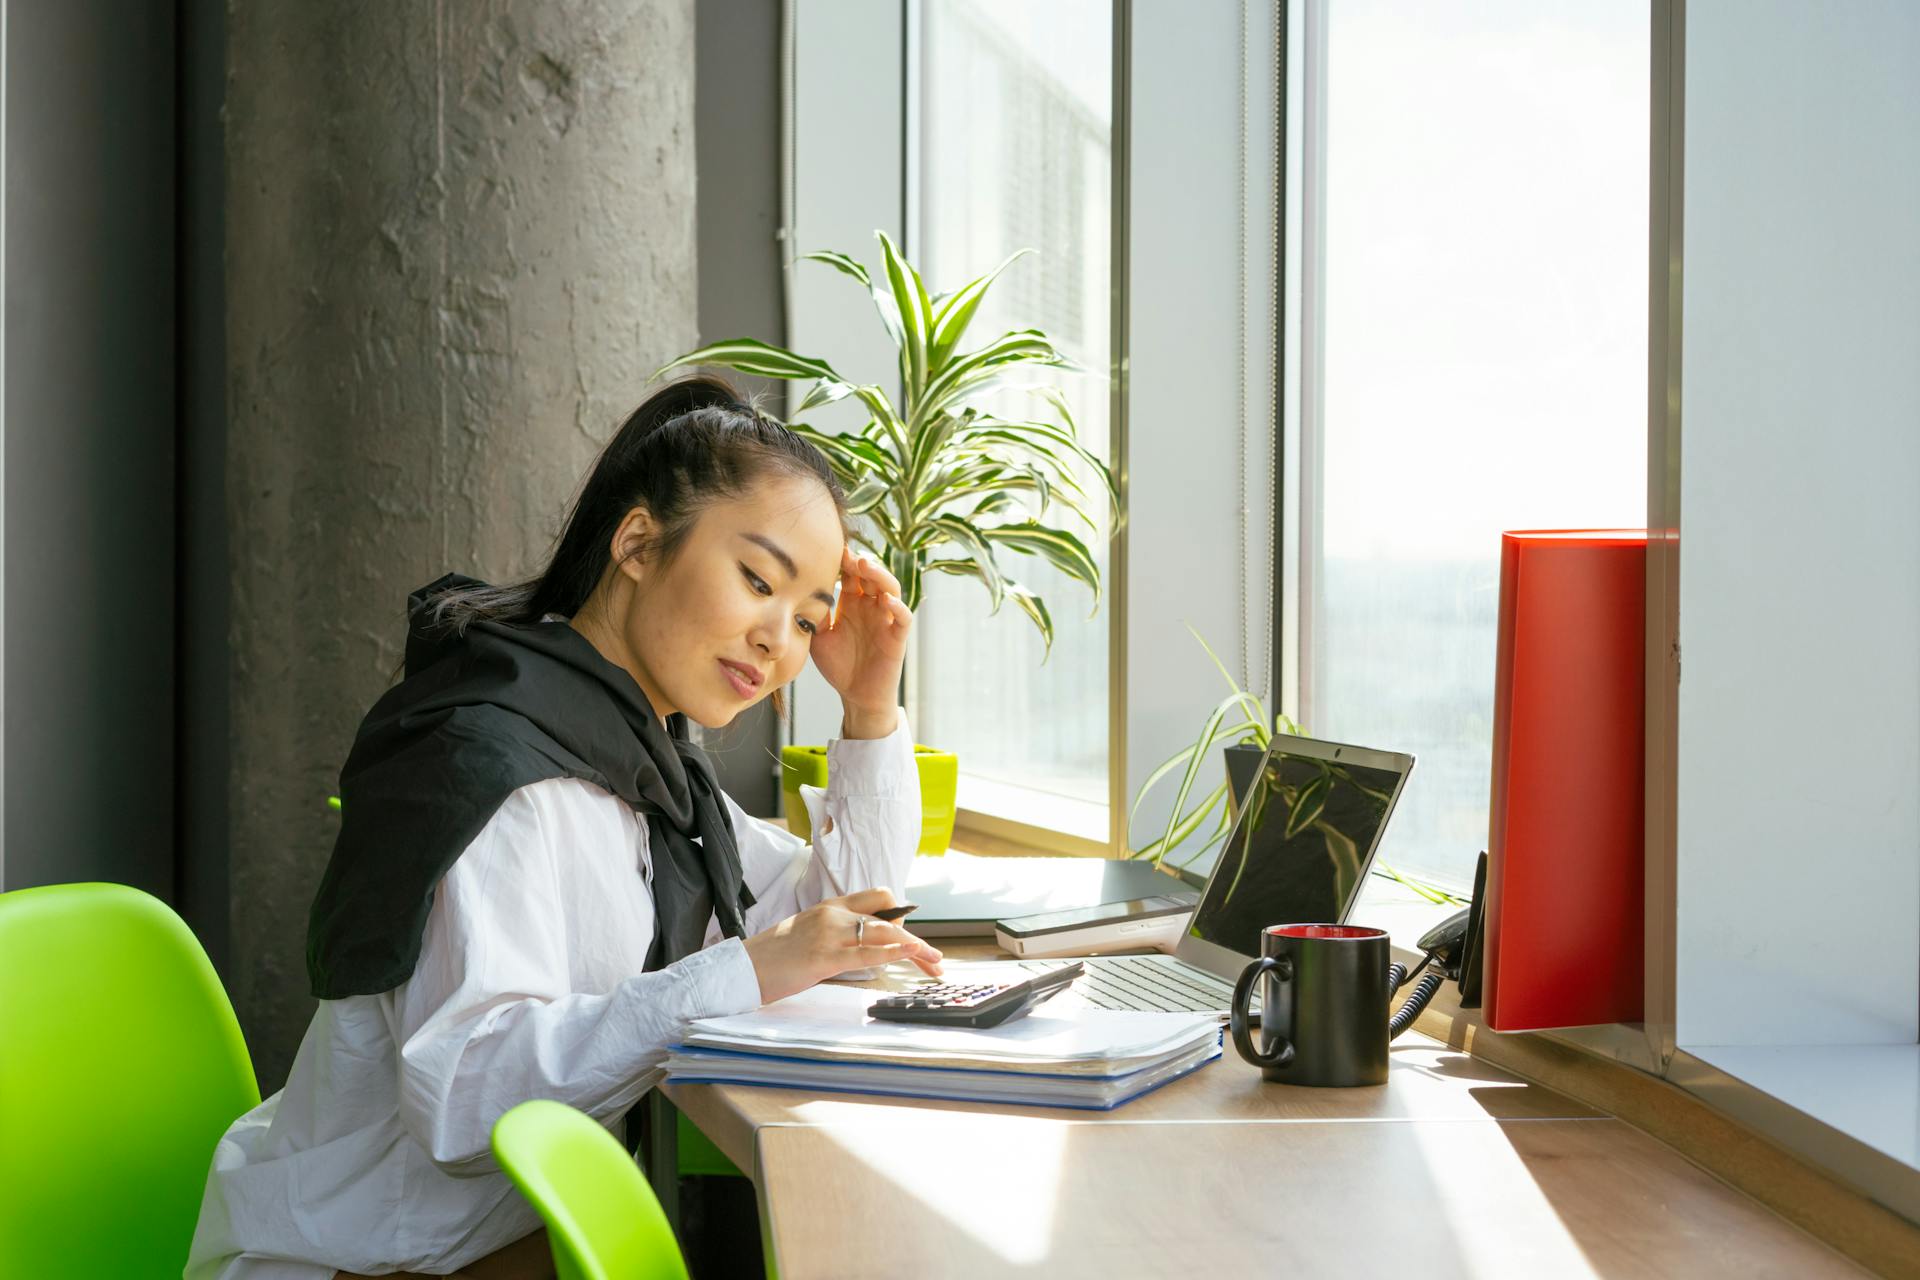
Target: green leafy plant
(1240, 719)
(946, 485)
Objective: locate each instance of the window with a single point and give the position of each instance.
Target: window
(1481, 244)
(1009, 130)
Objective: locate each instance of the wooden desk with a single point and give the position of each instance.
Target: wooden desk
(1452, 1168)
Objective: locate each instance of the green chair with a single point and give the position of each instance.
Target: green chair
(121, 1064)
(603, 1220)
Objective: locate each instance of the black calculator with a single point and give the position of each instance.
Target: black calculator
(979, 1004)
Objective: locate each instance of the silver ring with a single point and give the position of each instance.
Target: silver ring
(859, 931)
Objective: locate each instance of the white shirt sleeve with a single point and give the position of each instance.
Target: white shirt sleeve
(866, 827)
(491, 1016)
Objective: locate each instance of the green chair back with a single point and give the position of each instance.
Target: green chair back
(121, 1064)
(603, 1221)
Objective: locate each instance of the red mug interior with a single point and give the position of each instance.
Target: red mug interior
(1325, 931)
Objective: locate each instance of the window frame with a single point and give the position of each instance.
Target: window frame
(1158, 679)
(980, 828)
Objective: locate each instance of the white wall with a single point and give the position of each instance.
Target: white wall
(848, 178)
(1187, 478)
(1799, 708)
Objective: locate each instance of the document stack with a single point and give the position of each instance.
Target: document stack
(822, 1039)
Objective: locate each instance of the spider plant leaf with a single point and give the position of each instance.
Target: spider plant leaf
(1309, 803)
(953, 529)
(748, 355)
(1061, 549)
(951, 318)
(1257, 805)
(916, 316)
(1256, 710)
(1202, 751)
(1160, 771)
(1190, 822)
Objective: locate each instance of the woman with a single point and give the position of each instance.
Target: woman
(538, 883)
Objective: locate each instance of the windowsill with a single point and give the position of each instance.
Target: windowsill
(1779, 1132)
(1853, 1109)
(1030, 808)
(1385, 903)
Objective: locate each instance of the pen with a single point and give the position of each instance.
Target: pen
(894, 913)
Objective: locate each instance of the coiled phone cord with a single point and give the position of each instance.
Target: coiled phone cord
(1414, 1004)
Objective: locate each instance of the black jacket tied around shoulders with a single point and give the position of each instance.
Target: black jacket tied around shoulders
(477, 717)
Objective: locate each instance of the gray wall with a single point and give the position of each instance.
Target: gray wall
(737, 144)
(90, 421)
(200, 565)
(458, 240)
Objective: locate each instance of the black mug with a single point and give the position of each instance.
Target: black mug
(1324, 990)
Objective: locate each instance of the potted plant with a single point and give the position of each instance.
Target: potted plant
(938, 483)
(1239, 723)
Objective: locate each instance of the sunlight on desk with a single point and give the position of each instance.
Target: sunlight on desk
(1488, 1203)
(1012, 1168)
(1454, 1167)
(1529, 1198)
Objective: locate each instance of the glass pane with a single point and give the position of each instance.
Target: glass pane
(1012, 153)
(1486, 364)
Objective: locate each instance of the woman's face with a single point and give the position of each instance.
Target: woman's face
(731, 616)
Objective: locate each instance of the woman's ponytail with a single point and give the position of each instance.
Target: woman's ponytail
(689, 444)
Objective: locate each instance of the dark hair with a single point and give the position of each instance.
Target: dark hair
(689, 445)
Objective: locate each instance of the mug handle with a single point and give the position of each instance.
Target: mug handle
(1282, 967)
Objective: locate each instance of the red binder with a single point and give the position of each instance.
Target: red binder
(1565, 868)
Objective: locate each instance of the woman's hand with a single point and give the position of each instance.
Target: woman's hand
(861, 654)
(832, 938)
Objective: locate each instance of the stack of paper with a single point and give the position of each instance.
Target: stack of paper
(822, 1039)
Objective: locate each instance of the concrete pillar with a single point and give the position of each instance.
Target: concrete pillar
(459, 236)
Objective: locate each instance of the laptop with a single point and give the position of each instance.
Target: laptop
(1299, 852)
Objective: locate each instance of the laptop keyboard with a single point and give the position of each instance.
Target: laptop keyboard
(1145, 982)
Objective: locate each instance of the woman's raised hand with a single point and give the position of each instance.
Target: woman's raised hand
(861, 654)
(833, 937)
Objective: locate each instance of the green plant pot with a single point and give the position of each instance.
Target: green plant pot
(939, 780)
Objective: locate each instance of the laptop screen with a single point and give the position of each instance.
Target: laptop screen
(1301, 845)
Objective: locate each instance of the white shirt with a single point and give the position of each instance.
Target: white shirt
(375, 1155)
